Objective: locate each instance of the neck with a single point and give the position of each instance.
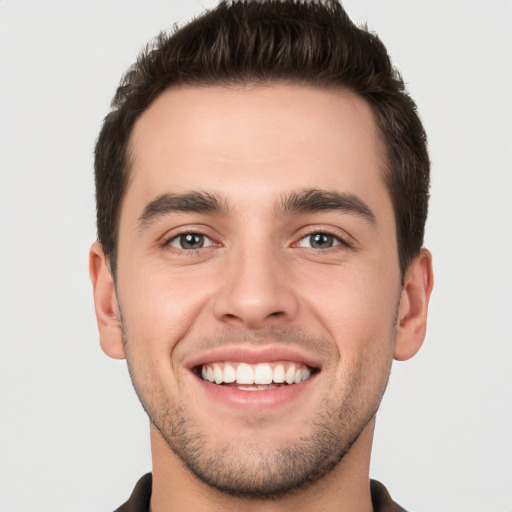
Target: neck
(344, 489)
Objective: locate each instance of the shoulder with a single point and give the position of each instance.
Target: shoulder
(140, 497)
(381, 499)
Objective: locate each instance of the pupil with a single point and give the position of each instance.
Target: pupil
(192, 241)
(321, 240)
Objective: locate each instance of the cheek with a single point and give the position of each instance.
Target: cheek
(158, 308)
(357, 308)
(360, 321)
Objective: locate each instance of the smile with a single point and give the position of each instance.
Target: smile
(255, 377)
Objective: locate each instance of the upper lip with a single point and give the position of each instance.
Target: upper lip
(253, 355)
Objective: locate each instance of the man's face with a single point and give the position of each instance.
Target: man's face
(257, 242)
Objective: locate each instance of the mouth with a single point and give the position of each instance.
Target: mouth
(262, 376)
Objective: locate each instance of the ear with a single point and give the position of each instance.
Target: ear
(413, 307)
(105, 303)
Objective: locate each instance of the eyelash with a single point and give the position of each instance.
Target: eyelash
(340, 241)
(206, 239)
(336, 239)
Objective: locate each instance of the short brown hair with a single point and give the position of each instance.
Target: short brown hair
(313, 43)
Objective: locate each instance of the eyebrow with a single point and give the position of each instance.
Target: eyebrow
(317, 200)
(310, 200)
(193, 202)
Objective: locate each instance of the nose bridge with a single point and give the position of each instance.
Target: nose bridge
(253, 289)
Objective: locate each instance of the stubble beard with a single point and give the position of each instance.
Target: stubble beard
(254, 473)
(251, 471)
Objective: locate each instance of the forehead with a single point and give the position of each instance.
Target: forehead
(247, 140)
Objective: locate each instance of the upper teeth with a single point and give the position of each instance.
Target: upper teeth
(262, 373)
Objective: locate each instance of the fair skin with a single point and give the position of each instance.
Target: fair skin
(257, 232)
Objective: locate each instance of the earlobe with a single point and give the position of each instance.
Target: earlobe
(105, 303)
(413, 307)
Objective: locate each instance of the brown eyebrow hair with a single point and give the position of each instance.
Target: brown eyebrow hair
(199, 202)
(310, 200)
(317, 200)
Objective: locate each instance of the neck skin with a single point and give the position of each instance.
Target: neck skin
(345, 489)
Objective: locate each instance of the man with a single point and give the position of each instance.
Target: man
(262, 186)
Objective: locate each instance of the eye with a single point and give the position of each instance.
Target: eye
(320, 241)
(190, 241)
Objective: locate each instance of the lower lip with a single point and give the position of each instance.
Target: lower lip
(242, 399)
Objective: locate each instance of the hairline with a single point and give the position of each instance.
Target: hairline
(250, 83)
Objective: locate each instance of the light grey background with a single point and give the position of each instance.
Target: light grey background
(72, 434)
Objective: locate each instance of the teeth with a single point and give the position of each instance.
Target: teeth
(247, 388)
(279, 373)
(229, 374)
(306, 373)
(301, 375)
(244, 374)
(256, 377)
(259, 387)
(263, 374)
(290, 375)
(218, 374)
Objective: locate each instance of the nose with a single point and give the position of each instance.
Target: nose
(255, 289)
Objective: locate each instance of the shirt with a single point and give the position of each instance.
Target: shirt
(141, 496)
